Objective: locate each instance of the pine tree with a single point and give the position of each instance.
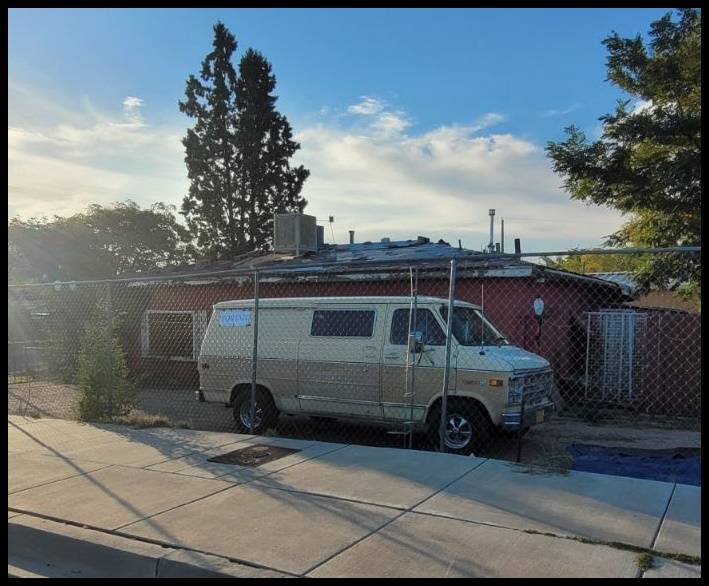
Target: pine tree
(264, 141)
(237, 153)
(647, 163)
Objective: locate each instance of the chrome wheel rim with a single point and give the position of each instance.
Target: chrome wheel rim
(245, 414)
(458, 432)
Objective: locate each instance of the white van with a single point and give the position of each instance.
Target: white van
(364, 358)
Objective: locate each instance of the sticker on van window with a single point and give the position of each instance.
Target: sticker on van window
(235, 317)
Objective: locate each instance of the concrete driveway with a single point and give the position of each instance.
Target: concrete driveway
(326, 509)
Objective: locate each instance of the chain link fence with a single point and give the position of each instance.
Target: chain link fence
(488, 354)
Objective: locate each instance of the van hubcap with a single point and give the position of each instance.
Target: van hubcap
(458, 432)
(245, 414)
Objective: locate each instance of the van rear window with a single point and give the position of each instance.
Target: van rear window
(347, 323)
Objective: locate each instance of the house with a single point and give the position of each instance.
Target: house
(170, 309)
(652, 299)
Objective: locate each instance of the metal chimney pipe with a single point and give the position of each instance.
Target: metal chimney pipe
(491, 245)
(351, 236)
(518, 246)
(502, 235)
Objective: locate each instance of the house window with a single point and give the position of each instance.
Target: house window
(345, 323)
(169, 334)
(173, 335)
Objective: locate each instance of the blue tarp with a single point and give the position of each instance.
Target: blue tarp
(681, 465)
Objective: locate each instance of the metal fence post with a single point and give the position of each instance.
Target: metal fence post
(412, 328)
(446, 369)
(519, 431)
(254, 354)
(109, 332)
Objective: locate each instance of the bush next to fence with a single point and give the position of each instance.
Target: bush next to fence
(105, 388)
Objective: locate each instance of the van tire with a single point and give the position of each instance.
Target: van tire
(474, 425)
(266, 412)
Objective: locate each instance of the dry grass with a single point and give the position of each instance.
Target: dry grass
(645, 561)
(141, 420)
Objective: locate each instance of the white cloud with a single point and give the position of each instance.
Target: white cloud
(131, 110)
(131, 103)
(62, 167)
(642, 106)
(377, 176)
(487, 120)
(390, 123)
(366, 107)
(561, 112)
(441, 183)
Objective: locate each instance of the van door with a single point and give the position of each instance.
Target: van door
(400, 367)
(339, 362)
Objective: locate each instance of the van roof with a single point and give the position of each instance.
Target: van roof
(316, 301)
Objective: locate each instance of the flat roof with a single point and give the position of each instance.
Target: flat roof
(316, 301)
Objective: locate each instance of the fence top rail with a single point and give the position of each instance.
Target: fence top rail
(320, 267)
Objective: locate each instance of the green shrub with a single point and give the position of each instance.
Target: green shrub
(105, 388)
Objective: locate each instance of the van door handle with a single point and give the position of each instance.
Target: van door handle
(392, 356)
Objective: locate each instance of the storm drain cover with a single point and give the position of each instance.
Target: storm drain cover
(253, 455)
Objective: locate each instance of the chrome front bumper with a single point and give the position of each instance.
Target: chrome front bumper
(532, 416)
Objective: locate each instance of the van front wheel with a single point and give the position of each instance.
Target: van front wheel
(265, 412)
(468, 428)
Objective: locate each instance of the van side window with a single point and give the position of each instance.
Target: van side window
(425, 322)
(344, 323)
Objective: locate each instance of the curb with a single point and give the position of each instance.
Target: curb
(38, 547)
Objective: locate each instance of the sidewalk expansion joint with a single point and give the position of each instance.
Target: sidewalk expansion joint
(664, 514)
(390, 521)
(140, 539)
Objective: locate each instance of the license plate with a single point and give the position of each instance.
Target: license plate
(540, 416)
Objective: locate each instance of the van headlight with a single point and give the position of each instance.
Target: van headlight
(514, 390)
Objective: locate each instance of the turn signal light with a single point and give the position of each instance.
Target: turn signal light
(496, 382)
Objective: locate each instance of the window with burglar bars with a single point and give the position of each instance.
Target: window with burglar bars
(174, 335)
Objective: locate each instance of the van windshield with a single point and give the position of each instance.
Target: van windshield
(470, 328)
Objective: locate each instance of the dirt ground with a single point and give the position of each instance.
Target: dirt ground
(546, 444)
(543, 445)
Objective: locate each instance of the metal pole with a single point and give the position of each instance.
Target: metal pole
(446, 369)
(519, 431)
(109, 315)
(254, 354)
(491, 246)
(588, 353)
(502, 236)
(412, 320)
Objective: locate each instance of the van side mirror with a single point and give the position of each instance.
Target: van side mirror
(416, 342)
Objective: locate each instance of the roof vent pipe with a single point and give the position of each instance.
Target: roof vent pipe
(351, 236)
(502, 235)
(491, 245)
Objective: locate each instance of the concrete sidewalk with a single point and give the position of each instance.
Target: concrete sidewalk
(326, 510)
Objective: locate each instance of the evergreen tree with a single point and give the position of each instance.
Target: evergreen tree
(264, 140)
(647, 162)
(237, 153)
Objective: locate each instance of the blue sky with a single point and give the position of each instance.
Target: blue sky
(412, 121)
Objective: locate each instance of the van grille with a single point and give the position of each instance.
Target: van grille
(536, 387)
